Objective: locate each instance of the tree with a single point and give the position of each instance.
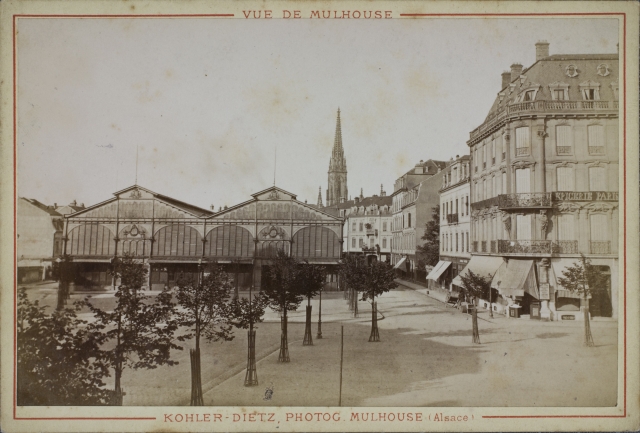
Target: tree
(311, 279)
(585, 280)
(283, 293)
(430, 250)
(57, 358)
(206, 311)
(379, 278)
(139, 331)
(475, 286)
(351, 273)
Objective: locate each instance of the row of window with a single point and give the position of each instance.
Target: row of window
(565, 181)
(355, 225)
(451, 207)
(361, 242)
(524, 228)
(455, 242)
(402, 221)
(404, 242)
(596, 144)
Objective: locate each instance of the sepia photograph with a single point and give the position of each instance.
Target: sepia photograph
(317, 216)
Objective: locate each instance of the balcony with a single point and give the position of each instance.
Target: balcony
(452, 218)
(494, 247)
(522, 151)
(371, 232)
(596, 150)
(529, 200)
(564, 247)
(600, 247)
(563, 150)
(525, 247)
(493, 201)
(474, 246)
(483, 246)
(495, 120)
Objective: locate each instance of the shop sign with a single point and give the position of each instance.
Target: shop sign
(544, 291)
(586, 196)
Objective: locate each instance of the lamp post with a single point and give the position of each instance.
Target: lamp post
(251, 377)
(60, 302)
(319, 334)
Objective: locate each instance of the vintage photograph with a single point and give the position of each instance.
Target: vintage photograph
(351, 207)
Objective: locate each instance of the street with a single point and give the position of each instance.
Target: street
(425, 358)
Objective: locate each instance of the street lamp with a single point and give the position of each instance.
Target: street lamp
(251, 377)
(319, 334)
(61, 296)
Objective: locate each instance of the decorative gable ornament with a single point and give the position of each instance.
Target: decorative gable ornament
(273, 232)
(134, 231)
(603, 69)
(274, 195)
(135, 193)
(571, 71)
(522, 78)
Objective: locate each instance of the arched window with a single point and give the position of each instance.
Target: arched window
(91, 239)
(177, 240)
(317, 241)
(229, 241)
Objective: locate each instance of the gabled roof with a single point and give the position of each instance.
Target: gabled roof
(194, 210)
(274, 188)
(48, 209)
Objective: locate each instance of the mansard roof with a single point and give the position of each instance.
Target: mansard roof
(48, 209)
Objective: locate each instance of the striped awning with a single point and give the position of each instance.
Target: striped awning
(402, 260)
(438, 270)
(516, 277)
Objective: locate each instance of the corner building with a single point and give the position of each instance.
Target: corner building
(544, 185)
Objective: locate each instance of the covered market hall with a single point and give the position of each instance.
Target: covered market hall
(174, 238)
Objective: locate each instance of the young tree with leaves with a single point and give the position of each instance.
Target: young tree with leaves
(206, 312)
(475, 286)
(311, 279)
(430, 250)
(57, 357)
(379, 278)
(283, 293)
(139, 331)
(351, 274)
(585, 280)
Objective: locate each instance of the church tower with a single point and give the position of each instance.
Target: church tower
(337, 188)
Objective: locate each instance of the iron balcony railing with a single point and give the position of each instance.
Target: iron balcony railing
(474, 246)
(483, 246)
(452, 218)
(524, 200)
(563, 150)
(494, 247)
(524, 247)
(495, 119)
(596, 150)
(564, 247)
(600, 247)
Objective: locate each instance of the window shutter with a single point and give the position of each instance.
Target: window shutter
(524, 227)
(599, 227)
(563, 136)
(522, 137)
(523, 180)
(565, 178)
(597, 179)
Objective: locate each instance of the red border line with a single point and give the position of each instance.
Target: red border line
(624, 74)
(126, 16)
(512, 15)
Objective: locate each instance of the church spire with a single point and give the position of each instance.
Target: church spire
(337, 188)
(320, 196)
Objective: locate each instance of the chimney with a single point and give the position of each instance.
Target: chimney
(542, 50)
(212, 207)
(516, 71)
(73, 203)
(506, 79)
(356, 200)
(341, 199)
(82, 205)
(55, 205)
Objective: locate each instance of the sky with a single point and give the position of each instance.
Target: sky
(206, 102)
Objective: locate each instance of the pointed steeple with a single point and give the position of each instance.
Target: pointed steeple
(320, 197)
(337, 187)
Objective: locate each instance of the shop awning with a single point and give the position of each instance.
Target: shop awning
(516, 277)
(480, 265)
(400, 263)
(438, 270)
(557, 268)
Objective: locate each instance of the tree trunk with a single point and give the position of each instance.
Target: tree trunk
(308, 340)
(375, 335)
(196, 379)
(355, 304)
(283, 356)
(588, 338)
(251, 377)
(474, 319)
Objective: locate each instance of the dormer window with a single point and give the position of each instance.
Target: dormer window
(590, 90)
(529, 94)
(559, 91)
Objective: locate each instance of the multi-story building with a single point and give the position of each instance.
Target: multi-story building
(544, 185)
(414, 197)
(367, 228)
(454, 224)
(39, 239)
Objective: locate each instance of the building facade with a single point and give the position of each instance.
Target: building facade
(414, 197)
(337, 190)
(39, 239)
(174, 238)
(455, 210)
(544, 186)
(367, 227)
